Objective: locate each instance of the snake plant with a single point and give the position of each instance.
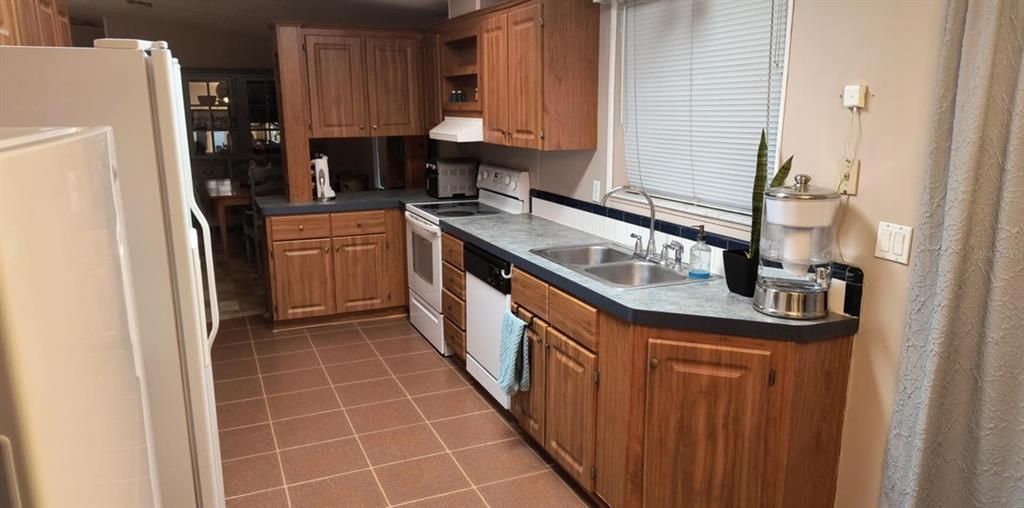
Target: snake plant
(757, 197)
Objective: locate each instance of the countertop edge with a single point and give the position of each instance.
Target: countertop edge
(772, 331)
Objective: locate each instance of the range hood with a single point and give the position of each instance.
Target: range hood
(459, 129)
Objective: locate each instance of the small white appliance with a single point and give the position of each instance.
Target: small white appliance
(501, 190)
(135, 88)
(74, 427)
(451, 178)
(459, 130)
(322, 175)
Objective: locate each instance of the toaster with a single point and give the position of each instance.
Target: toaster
(451, 178)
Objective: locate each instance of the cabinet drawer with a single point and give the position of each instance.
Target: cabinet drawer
(530, 292)
(453, 309)
(573, 317)
(298, 227)
(455, 338)
(357, 223)
(451, 250)
(454, 280)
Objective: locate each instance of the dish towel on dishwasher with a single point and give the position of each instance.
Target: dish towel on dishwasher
(514, 371)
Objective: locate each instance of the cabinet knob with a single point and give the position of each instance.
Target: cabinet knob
(362, 127)
(327, 249)
(337, 249)
(301, 227)
(374, 126)
(654, 363)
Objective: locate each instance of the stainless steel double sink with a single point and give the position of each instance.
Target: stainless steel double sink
(613, 265)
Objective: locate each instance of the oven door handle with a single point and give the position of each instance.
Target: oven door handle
(422, 224)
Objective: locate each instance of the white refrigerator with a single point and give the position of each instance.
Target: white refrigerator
(135, 88)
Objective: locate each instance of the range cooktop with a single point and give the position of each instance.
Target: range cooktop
(457, 209)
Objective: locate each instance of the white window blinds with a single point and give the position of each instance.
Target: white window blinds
(701, 78)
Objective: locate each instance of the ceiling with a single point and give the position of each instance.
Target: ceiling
(253, 16)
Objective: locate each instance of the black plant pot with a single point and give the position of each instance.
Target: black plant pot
(740, 272)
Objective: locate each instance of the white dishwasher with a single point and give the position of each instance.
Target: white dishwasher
(488, 296)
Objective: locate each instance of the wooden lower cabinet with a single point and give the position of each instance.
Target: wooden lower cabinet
(361, 275)
(313, 274)
(571, 404)
(528, 407)
(706, 421)
(303, 279)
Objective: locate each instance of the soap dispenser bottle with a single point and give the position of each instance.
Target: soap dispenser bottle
(700, 257)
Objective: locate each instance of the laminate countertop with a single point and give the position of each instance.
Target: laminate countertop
(344, 202)
(701, 306)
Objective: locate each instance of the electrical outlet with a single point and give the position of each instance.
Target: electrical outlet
(854, 96)
(596, 193)
(849, 176)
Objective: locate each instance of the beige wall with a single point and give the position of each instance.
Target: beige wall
(893, 47)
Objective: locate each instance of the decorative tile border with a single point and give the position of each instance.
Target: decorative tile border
(669, 228)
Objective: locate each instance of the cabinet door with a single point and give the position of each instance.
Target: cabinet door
(571, 402)
(27, 21)
(337, 86)
(528, 407)
(524, 76)
(494, 77)
(431, 81)
(394, 86)
(8, 23)
(46, 17)
(62, 24)
(706, 418)
(303, 279)
(360, 273)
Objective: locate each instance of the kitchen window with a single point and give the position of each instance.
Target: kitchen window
(700, 79)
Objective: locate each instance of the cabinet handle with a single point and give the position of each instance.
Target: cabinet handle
(301, 227)
(654, 363)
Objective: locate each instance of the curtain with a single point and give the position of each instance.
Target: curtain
(957, 432)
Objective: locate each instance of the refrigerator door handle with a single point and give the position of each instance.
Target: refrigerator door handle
(10, 474)
(211, 284)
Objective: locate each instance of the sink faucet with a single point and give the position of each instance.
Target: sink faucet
(652, 252)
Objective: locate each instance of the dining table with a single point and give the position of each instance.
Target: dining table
(225, 193)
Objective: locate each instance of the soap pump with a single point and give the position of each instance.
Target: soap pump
(700, 257)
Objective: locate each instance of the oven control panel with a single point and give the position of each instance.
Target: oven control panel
(510, 182)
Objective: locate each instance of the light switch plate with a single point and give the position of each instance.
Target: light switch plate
(893, 242)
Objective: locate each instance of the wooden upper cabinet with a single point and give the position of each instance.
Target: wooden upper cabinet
(393, 86)
(303, 279)
(525, 74)
(571, 403)
(494, 78)
(707, 411)
(337, 86)
(360, 267)
(62, 24)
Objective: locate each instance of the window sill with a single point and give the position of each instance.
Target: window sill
(716, 221)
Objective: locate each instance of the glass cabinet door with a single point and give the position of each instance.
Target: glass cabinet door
(211, 112)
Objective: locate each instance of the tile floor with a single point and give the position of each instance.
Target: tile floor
(365, 414)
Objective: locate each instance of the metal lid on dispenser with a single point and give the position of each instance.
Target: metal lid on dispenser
(801, 190)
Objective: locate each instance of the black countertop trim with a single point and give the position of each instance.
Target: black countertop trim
(804, 333)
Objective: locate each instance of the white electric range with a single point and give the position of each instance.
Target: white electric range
(502, 190)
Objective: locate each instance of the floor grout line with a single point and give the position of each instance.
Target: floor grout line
(273, 433)
(434, 431)
(359, 442)
(447, 451)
